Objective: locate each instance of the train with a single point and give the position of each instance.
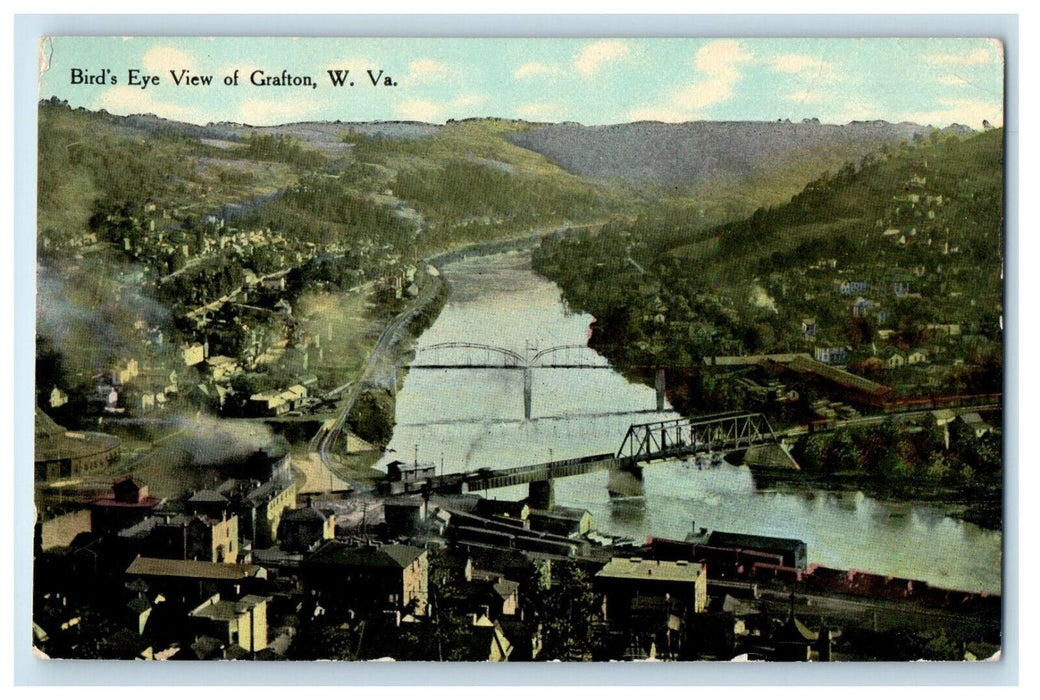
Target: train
(752, 567)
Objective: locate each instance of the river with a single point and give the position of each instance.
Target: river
(473, 418)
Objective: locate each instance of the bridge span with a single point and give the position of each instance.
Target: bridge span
(643, 443)
(463, 355)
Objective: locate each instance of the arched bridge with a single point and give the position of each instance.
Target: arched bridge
(462, 355)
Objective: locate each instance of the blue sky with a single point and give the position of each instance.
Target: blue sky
(929, 81)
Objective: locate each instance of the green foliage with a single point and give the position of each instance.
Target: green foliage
(284, 148)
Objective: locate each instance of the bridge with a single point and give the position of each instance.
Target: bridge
(461, 355)
(646, 442)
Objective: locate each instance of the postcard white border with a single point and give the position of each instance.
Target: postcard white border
(30, 671)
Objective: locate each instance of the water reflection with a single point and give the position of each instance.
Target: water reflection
(473, 418)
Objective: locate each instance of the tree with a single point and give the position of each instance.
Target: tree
(564, 612)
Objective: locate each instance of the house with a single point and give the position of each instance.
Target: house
(831, 355)
(58, 398)
(900, 284)
(242, 622)
(499, 648)
(809, 328)
(126, 504)
(300, 529)
(191, 581)
(198, 537)
(193, 354)
(861, 308)
(896, 360)
(569, 522)
(368, 578)
(975, 423)
(637, 587)
(850, 287)
(916, 357)
(512, 511)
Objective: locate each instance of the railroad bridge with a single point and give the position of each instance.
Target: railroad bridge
(643, 443)
(462, 355)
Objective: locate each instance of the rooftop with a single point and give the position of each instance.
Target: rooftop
(386, 556)
(179, 568)
(651, 570)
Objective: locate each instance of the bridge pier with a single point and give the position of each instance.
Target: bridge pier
(527, 393)
(541, 495)
(626, 482)
(659, 386)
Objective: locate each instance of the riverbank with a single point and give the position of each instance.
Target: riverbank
(980, 505)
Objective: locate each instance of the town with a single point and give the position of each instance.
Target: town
(205, 435)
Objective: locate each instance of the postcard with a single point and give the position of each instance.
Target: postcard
(508, 350)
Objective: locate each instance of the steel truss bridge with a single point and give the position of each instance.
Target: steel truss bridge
(643, 443)
(459, 355)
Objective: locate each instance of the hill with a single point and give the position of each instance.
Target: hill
(734, 163)
(898, 254)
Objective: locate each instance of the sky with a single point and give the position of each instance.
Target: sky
(591, 81)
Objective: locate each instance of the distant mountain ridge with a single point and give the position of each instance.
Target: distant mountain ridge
(691, 153)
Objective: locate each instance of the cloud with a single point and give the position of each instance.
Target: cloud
(270, 112)
(467, 101)
(961, 111)
(953, 80)
(662, 114)
(718, 61)
(124, 99)
(797, 63)
(161, 59)
(978, 57)
(426, 71)
(540, 111)
(718, 67)
(595, 55)
(529, 70)
(428, 111)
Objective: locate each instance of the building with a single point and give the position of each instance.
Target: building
(126, 504)
(62, 454)
(831, 355)
(793, 553)
(192, 581)
(179, 536)
(369, 578)
(637, 588)
(242, 622)
(300, 529)
(404, 516)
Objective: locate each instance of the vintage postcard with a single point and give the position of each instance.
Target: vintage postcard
(519, 349)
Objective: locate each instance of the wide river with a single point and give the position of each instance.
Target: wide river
(473, 418)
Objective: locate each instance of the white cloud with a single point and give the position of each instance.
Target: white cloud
(270, 112)
(420, 110)
(467, 101)
(427, 111)
(426, 71)
(124, 99)
(539, 111)
(718, 66)
(953, 80)
(961, 111)
(533, 69)
(718, 61)
(797, 63)
(595, 55)
(661, 114)
(162, 59)
(977, 57)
